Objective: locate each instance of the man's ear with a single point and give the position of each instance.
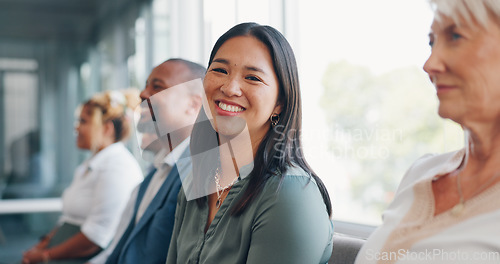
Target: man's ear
(195, 103)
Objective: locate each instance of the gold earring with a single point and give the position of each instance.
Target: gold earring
(275, 118)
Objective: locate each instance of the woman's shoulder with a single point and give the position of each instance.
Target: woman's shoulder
(115, 154)
(291, 184)
(296, 196)
(118, 164)
(430, 165)
(292, 209)
(118, 150)
(292, 174)
(295, 170)
(436, 159)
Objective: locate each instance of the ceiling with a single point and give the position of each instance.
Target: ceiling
(49, 19)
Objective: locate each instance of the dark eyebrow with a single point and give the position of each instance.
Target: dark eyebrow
(253, 68)
(223, 61)
(450, 28)
(444, 28)
(249, 68)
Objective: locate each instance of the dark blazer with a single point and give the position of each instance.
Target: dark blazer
(148, 240)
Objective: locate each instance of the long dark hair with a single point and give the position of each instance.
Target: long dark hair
(281, 147)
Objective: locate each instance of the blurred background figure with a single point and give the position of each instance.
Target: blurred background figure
(101, 186)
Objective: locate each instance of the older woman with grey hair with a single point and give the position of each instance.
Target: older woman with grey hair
(447, 207)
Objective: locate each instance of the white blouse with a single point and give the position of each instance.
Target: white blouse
(411, 233)
(99, 192)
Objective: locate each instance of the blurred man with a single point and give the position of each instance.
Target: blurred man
(171, 102)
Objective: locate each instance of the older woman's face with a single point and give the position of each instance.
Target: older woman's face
(464, 66)
(242, 87)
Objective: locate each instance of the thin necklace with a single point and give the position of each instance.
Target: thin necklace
(221, 190)
(459, 207)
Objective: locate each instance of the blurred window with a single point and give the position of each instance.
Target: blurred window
(22, 164)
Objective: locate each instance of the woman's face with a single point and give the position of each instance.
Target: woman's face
(242, 88)
(84, 129)
(464, 66)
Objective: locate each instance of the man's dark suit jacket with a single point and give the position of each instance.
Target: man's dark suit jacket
(149, 239)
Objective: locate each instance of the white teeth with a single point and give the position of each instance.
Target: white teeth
(230, 108)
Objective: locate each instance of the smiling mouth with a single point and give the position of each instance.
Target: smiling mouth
(229, 108)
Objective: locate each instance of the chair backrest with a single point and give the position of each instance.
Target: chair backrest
(345, 249)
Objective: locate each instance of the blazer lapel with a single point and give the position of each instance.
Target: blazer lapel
(157, 201)
(183, 165)
(124, 240)
(142, 190)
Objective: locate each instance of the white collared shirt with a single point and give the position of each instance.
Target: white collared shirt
(99, 192)
(159, 158)
(163, 163)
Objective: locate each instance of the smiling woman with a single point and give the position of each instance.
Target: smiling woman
(244, 86)
(263, 198)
